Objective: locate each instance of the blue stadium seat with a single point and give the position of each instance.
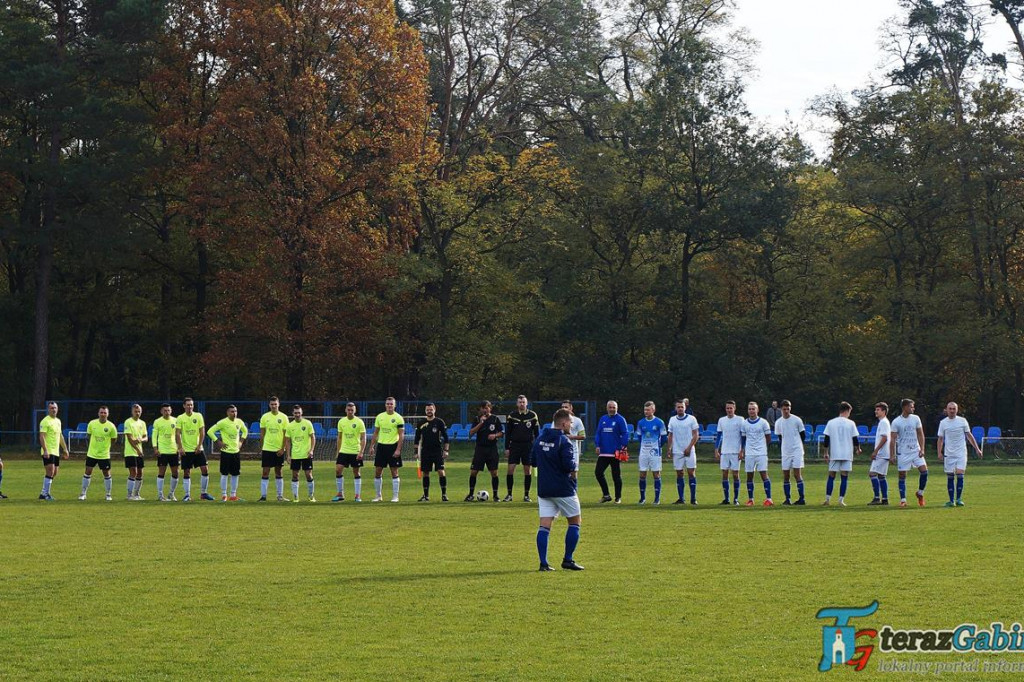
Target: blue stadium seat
(452, 432)
(454, 427)
(979, 433)
(463, 434)
(863, 435)
(808, 433)
(254, 428)
(318, 430)
(332, 433)
(82, 426)
(994, 434)
(819, 432)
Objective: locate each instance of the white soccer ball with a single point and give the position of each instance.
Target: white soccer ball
(483, 496)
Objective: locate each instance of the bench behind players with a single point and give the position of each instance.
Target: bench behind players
(555, 459)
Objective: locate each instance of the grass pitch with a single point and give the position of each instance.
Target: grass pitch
(114, 591)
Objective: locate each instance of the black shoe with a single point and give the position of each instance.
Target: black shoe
(801, 502)
(875, 502)
(424, 499)
(680, 501)
(693, 503)
(526, 498)
(725, 501)
(469, 498)
(545, 567)
(606, 498)
(786, 503)
(885, 503)
(2, 496)
(444, 498)
(570, 565)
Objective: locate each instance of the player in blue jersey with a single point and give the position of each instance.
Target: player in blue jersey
(612, 436)
(652, 436)
(554, 459)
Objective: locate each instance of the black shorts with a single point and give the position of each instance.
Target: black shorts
(167, 460)
(230, 464)
(485, 457)
(52, 459)
(303, 464)
(431, 461)
(103, 464)
(134, 462)
(519, 453)
(271, 459)
(193, 460)
(346, 459)
(384, 458)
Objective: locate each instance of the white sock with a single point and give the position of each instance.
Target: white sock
(378, 485)
(138, 486)
(263, 487)
(340, 480)
(394, 486)
(223, 485)
(85, 483)
(187, 485)
(358, 483)
(279, 482)
(108, 483)
(234, 486)
(160, 486)
(295, 490)
(309, 487)
(46, 484)
(174, 484)
(131, 486)
(204, 483)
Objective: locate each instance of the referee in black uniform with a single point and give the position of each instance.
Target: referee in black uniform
(521, 428)
(487, 430)
(432, 450)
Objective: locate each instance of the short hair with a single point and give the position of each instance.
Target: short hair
(566, 401)
(905, 402)
(52, 402)
(680, 401)
(187, 399)
(273, 399)
(521, 396)
(429, 404)
(845, 407)
(731, 402)
(296, 407)
(350, 404)
(649, 403)
(167, 405)
(230, 407)
(884, 406)
(561, 414)
(134, 405)
(785, 403)
(103, 407)
(391, 398)
(485, 403)
(753, 402)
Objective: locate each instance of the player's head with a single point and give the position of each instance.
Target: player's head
(136, 410)
(103, 413)
(165, 410)
(562, 420)
(275, 404)
(522, 402)
(649, 409)
(786, 408)
(297, 412)
(485, 408)
(907, 406)
(188, 404)
(730, 407)
(567, 405)
(232, 411)
(389, 405)
(881, 409)
(681, 406)
(845, 409)
(430, 410)
(752, 409)
(350, 410)
(951, 409)
(52, 408)
(612, 407)
(775, 403)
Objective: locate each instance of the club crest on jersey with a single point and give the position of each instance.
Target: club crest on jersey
(492, 427)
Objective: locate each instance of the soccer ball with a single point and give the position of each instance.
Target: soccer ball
(482, 496)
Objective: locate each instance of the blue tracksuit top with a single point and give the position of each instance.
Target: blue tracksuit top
(555, 458)
(612, 434)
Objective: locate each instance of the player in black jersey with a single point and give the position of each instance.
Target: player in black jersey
(432, 450)
(488, 430)
(521, 428)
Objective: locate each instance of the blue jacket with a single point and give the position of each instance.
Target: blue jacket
(554, 457)
(612, 434)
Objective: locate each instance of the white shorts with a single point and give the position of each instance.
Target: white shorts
(681, 462)
(552, 507)
(908, 462)
(840, 465)
(880, 466)
(730, 461)
(648, 461)
(792, 462)
(755, 463)
(951, 464)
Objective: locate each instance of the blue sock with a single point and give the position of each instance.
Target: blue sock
(643, 488)
(923, 481)
(725, 489)
(959, 486)
(830, 484)
(843, 480)
(693, 489)
(786, 488)
(800, 488)
(950, 485)
(681, 488)
(903, 488)
(735, 489)
(883, 484)
(876, 486)
(1, 477)
(542, 543)
(657, 489)
(750, 490)
(572, 538)
(768, 488)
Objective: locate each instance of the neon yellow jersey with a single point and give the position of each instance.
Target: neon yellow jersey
(137, 428)
(101, 435)
(189, 425)
(387, 426)
(163, 436)
(301, 434)
(232, 433)
(272, 427)
(50, 427)
(349, 431)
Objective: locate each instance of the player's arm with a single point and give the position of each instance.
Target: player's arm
(920, 439)
(938, 446)
(177, 440)
(312, 444)
(64, 446)
(767, 438)
(825, 442)
(892, 444)
(401, 440)
(507, 436)
(263, 436)
(878, 448)
(202, 437)
(214, 434)
(500, 432)
(362, 445)
(856, 443)
(718, 444)
(668, 443)
(42, 443)
(743, 442)
(693, 441)
(417, 443)
(476, 427)
(974, 442)
(445, 441)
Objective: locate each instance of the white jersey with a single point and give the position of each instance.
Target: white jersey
(882, 430)
(841, 432)
(755, 431)
(904, 429)
(681, 429)
(577, 429)
(731, 429)
(953, 433)
(791, 431)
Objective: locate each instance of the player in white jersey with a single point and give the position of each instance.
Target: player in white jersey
(756, 437)
(841, 441)
(954, 434)
(577, 433)
(790, 430)
(907, 446)
(728, 443)
(683, 434)
(880, 456)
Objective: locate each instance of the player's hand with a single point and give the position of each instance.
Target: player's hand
(741, 455)
(940, 456)
(980, 456)
(398, 453)
(181, 452)
(718, 455)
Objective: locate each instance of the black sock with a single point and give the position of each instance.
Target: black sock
(528, 481)
(426, 486)
(494, 485)
(472, 484)
(443, 480)
(510, 481)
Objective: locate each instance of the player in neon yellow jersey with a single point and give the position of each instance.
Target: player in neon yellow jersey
(272, 454)
(167, 453)
(189, 434)
(51, 444)
(102, 433)
(135, 434)
(388, 436)
(227, 435)
(351, 443)
(299, 441)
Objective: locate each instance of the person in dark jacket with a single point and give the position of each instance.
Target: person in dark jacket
(553, 456)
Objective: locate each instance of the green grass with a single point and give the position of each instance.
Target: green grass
(113, 591)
